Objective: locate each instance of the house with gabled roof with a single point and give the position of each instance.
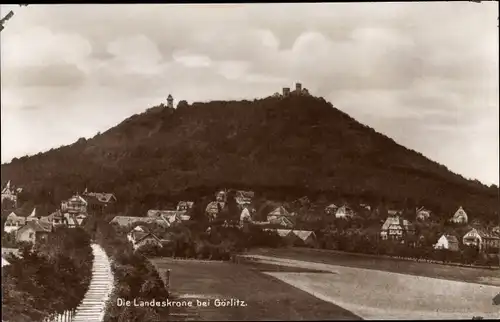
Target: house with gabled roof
(460, 216)
(59, 219)
(396, 228)
(344, 212)
(74, 205)
(4, 261)
(98, 201)
(136, 232)
(278, 211)
(481, 239)
(141, 239)
(306, 237)
(280, 216)
(55, 219)
(422, 214)
(13, 222)
(245, 216)
(170, 216)
(296, 237)
(34, 232)
(447, 241)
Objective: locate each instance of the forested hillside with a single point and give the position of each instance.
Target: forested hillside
(282, 147)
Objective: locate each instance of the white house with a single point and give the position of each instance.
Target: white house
(74, 205)
(344, 212)
(449, 242)
(460, 216)
(245, 216)
(13, 222)
(4, 262)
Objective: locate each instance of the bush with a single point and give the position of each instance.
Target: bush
(57, 271)
(135, 277)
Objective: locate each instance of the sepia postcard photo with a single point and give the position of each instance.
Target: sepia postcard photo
(250, 161)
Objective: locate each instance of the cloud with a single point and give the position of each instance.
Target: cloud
(40, 46)
(192, 61)
(57, 75)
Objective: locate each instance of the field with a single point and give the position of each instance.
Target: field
(378, 294)
(454, 273)
(267, 298)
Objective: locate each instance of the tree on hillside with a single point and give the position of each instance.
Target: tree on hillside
(8, 205)
(233, 211)
(182, 104)
(197, 212)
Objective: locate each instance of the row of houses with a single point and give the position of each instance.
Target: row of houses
(72, 213)
(421, 213)
(34, 228)
(475, 237)
(165, 218)
(88, 202)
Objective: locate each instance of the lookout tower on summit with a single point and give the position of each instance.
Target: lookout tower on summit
(170, 101)
(299, 90)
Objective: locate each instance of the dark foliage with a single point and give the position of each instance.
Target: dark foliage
(49, 279)
(280, 148)
(358, 241)
(135, 277)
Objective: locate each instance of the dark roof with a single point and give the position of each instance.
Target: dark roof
(125, 220)
(100, 196)
(38, 226)
(146, 235)
(451, 239)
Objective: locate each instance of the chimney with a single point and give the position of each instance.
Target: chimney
(298, 87)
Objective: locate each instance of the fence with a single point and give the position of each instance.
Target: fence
(66, 316)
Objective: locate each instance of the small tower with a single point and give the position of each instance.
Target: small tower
(170, 101)
(298, 88)
(286, 91)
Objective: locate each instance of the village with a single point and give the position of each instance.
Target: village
(287, 220)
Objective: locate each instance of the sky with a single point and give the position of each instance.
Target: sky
(424, 74)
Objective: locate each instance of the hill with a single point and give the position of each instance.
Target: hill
(282, 147)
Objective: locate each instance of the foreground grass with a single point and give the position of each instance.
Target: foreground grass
(267, 298)
(454, 273)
